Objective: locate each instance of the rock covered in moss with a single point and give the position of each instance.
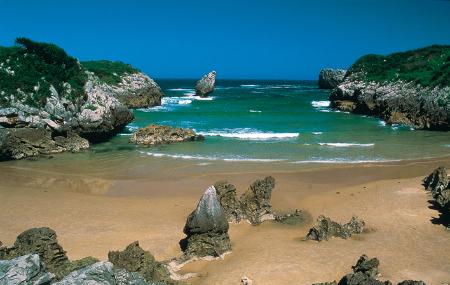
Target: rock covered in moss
(135, 259)
(206, 228)
(255, 202)
(326, 229)
(26, 269)
(157, 134)
(206, 85)
(228, 200)
(330, 78)
(439, 186)
(297, 217)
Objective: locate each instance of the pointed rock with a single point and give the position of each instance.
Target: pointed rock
(255, 202)
(205, 86)
(228, 200)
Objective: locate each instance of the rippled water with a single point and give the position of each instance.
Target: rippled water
(275, 121)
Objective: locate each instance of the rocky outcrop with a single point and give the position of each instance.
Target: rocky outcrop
(255, 202)
(228, 200)
(156, 134)
(27, 269)
(135, 259)
(365, 272)
(206, 228)
(206, 85)
(136, 90)
(437, 183)
(330, 78)
(18, 143)
(326, 229)
(297, 217)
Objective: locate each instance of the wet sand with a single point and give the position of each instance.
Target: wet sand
(97, 206)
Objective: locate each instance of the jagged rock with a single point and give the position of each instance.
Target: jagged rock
(255, 201)
(297, 217)
(156, 134)
(135, 259)
(438, 185)
(326, 283)
(17, 143)
(206, 228)
(365, 272)
(229, 201)
(27, 269)
(326, 229)
(205, 86)
(330, 78)
(411, 282)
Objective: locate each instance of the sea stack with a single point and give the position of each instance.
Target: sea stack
(206, 228)
(330, 78)
(205, 86)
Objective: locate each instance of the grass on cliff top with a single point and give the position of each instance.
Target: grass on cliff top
(109, 72)
(429, 66)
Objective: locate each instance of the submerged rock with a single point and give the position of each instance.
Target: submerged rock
(438, 185)
(135, 259)
(326, 229)
(156, 134)
(330, 78)
(255, 202)
(229, 201)
(27, 269)
(206, 228)
(205, 86)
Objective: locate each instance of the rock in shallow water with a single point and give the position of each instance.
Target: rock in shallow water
(205, 86)
(326, 229)
(206, 228)
(156, 134)
(27, 269)
(330, 78)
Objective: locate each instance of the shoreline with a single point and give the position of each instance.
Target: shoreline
(93, 214)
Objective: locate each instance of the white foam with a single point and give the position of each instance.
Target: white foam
(255, 111)
(320, 104)
(248, 134)
(347, 144)
(249, 85)
(382, 123)
(210, 158)
(184, 102)
(181, 89)
(335, 161)
(317, 133)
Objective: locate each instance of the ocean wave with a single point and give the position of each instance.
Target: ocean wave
(254, 111)
(184, 102)
(347, 144)
(248, 134)
(180, 89)
(215, 158)
(249, 85)
(320, 104)
(346, 161)
(317, 133)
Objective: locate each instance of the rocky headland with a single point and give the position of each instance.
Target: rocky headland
(410, 88)
(64, 104)
(330, 78)
(206, 84)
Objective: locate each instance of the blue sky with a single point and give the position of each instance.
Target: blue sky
(238, 38)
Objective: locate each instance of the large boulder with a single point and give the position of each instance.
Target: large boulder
(157, 134)
(330, 78)
(135, 259)
(17, 143)
(439, 186)
(228, 200)
(27, 269)
(206, 228)
(255, 202)
(206, 85)
(326, 229)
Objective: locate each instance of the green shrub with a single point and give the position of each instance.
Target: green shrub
(109, 71)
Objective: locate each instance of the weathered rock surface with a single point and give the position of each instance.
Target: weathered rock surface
(206, 228)
(326, 229)
(206, 85)
(297, 217)
(156, 134)
(228, 200)
(255, 202)
(330, 78)
(18, 143)
(439, 186)
(27, 269)
(135, 259)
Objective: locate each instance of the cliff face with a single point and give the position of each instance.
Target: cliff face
(45, 90)
(331, 78)
(410, 88)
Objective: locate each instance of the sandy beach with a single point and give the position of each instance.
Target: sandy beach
(95, 208)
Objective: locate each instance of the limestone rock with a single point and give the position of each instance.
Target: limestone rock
(438, 185)
(228, 200)
(27, 269)
(255, 201)
(156, 134)
(330, 78)
(206, 228)
(135, 259)
(326, 229)
(206, 85)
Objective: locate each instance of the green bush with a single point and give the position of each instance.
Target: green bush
(109, 71)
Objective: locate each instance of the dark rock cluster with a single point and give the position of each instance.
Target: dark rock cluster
(157, 134)
(326, 229)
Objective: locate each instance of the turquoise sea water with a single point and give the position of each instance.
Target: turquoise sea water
(276, 121)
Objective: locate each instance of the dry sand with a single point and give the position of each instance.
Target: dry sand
(97, 211)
